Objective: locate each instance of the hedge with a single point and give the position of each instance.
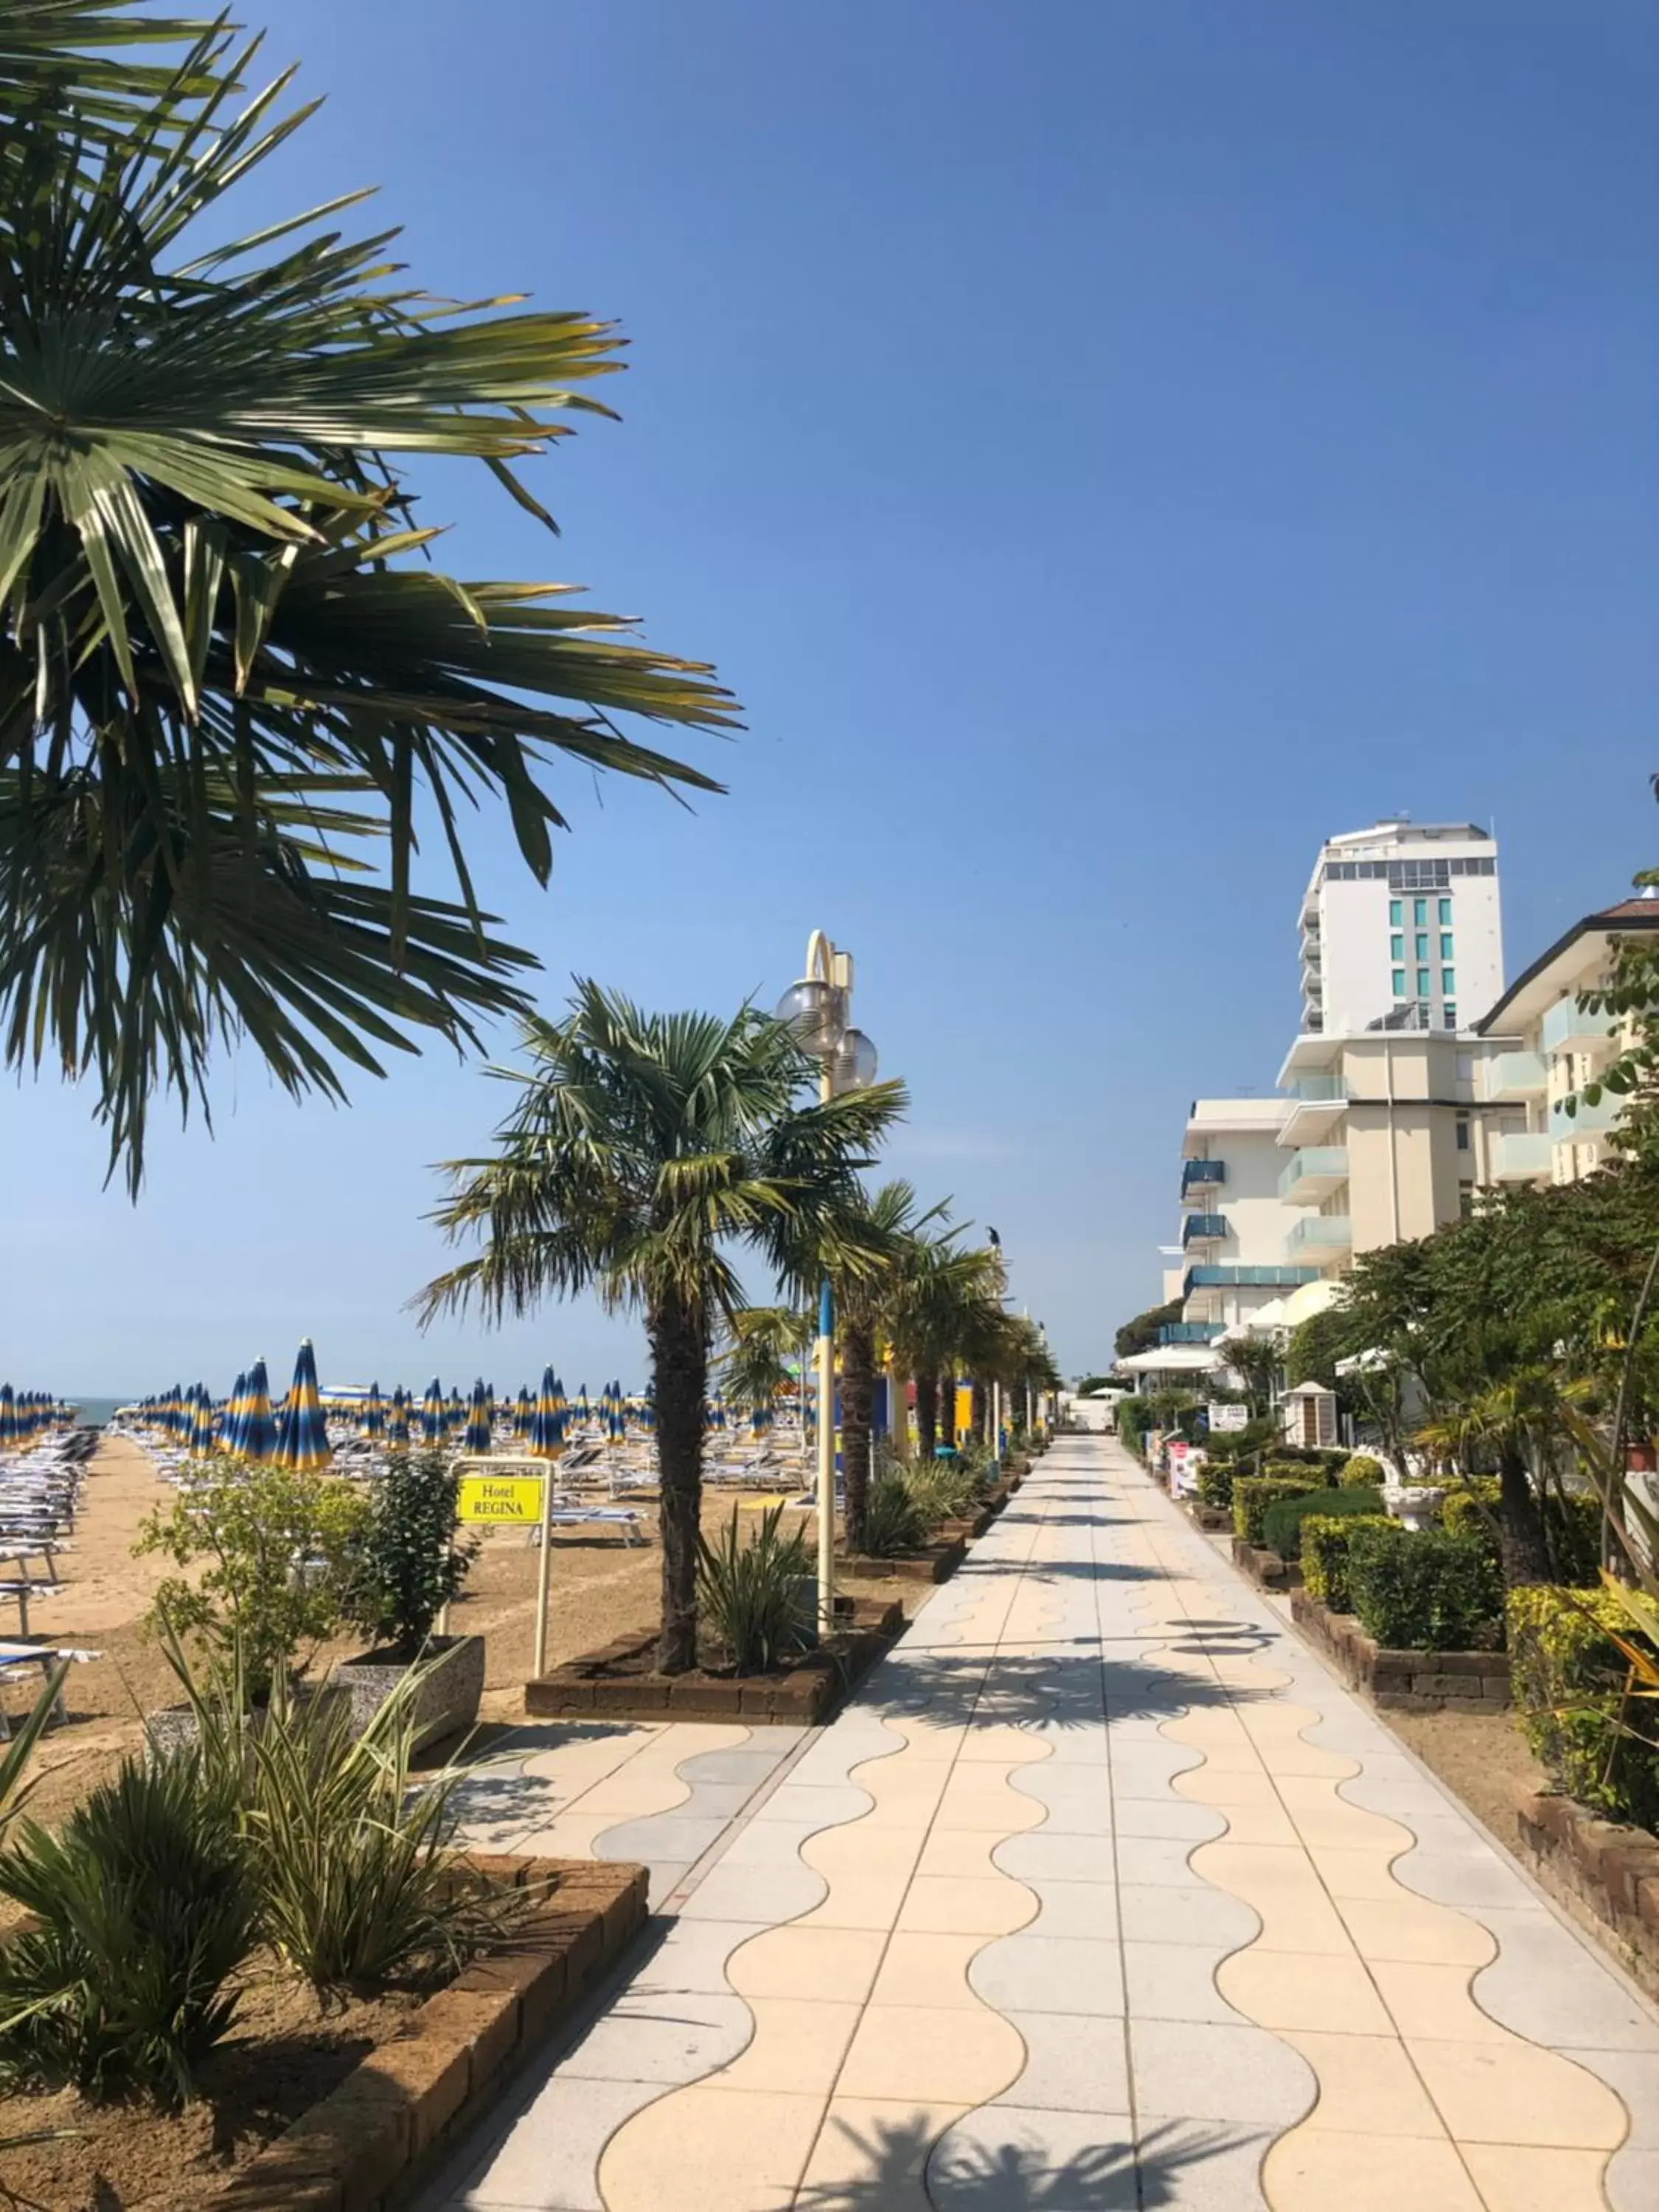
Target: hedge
(1573, 1524)
(1215, 1483)
(1362, 1472)
(1253, 1494)
(1325, 1540)
(1281, 1523)
(1568, 1679)
(1426, 1591)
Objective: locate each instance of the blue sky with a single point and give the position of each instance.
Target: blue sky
(1108, 448)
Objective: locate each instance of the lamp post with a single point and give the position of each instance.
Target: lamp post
(818, 1008)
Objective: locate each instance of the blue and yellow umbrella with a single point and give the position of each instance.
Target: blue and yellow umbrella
(374, 1414)
(396, 1427)
(256, 1436)
(303, 1444)
(478, 1436)
(546, 1439)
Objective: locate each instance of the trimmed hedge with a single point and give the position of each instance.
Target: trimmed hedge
(1427, 1591)
(1215, 1484)
(1325, 1540)
(1573, 1526)
(1362, 1472)
(1567, 1677)
(1253, 1494)
(1281, 1524)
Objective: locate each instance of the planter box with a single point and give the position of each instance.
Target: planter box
(936, 1563)
(448, 1698)
(1405, 1681)
(372, 2145)
(1214, 1519)
(1605, 1875)
(618, 1683)
(1266, 1569)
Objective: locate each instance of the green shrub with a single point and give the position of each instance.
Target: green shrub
(1325, 1540)
(1361, 1472)
(1568, 1680)
(749, 1593)
(1253, 1494)
(944, 1489)
(143, 1909)
(1281, 1524)
(1427, 1591)
(409, 1559)
(893, 1523)
(1573, 1528)
(1233, 1444)
(1215, 1483)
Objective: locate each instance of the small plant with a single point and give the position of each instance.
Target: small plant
(408, 1560)
(142, 1910)
(1325, 1542)
(279, 1548)
(1425, 1591)
(1570, 1677)
(1254, 1494)
(893, 1521)
(944, 1489)
(1361, 1472)
(1281, 1524)
(750, 1593)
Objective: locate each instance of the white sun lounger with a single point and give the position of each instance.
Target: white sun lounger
(16, 1659)
(578, 1515)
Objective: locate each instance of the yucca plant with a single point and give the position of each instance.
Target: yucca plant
(143, 1909)
(750, 1593)
(894, 1522)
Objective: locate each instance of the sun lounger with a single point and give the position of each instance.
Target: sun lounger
(577, 1515)
(16, 1660)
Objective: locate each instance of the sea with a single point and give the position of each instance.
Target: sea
(94, 1413)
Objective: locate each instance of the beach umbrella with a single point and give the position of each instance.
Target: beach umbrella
(202, 1425)
(547, 1422)
(303, 1444)
(583, 1409)
(235, 1412)
(396, 1427)
(760, 1419)
(523, 1406)
(434, 1414)
(373, 1423)
(8, 1416)
(477, 1437)
(256, 1436)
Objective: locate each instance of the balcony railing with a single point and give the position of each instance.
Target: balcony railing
(1202, 1174)
(1318, 1089)
(1314, 1172)
(1203, 1229)
(1523, 1156)
(1588, 1122)
(1517, 1075)
(1569, 1023)
(1321, 1236)
(1189, 1331)
(1239, 1275)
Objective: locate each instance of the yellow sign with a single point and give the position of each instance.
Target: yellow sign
(501, 1497)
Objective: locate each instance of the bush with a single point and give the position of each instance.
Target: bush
(1281, 1524)
(1573, 1528)
(142, 1910)
(893, 1521)
(1234, 1444)
(1361, 1472)
(1134, 1418)
(280, 1547)
(749, 1593)
(1253, 1494)
(1215, 1484)
(408, 1561)
(1426, 1592)
(944, 1489)
(1325, 1540)
(1568, 1679)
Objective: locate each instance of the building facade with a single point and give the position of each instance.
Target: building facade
(1401, 923)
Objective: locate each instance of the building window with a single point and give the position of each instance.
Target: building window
(1397, 946)
(1445, 944)
(1452, 1017)
(1447, 982)
(1419, 912)
(1445, 913)
(1422, 982)
(1421, 948)
(1399, 983)
(1396, 912)
(1462, 1132)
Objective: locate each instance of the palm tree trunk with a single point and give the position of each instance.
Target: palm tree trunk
(926, 1415)
(680, 1348)
(982, 1414)
(858, 1389)
(947, 1409)
(1521, 1525)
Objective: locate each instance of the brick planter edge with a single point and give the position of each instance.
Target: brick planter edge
(1604, 1875)
(1405, 1681)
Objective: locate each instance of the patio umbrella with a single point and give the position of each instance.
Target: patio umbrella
(203, 1424)
(373, 1422)
(760, 1419)
(547, 1422)
(256, 1436)
(303, 1444)
(584, 1410)
(7, 1415)
(435, 1414)
(477, 1437)
(396, 1427)
(454, 1413)
(231, 1426)
(523, 1406)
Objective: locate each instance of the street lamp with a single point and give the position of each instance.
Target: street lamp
(818, 1008)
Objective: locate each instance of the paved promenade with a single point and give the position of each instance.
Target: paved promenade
(1104, 1894)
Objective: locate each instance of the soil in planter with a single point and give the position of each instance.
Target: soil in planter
(283, 2055)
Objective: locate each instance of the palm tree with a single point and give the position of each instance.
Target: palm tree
(939, 1300)
(233, 684)
(642, 1149)
(763, 1354)
(1258, 1362)
(865, 1302)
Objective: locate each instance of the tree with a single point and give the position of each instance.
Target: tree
(1141, 1333)
(641, 1150)
(1259, 1363)
(936, 1307)
(763, 1355)
(867, 1303)
(233, 687)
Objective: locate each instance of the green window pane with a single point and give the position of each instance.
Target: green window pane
(1422, 982)
(1448, 980)
(1445, 912)
(1421, 947)
(1420, 910)
(1445, 944)
(1395, 913)
(1397, 948)
(1399, 983)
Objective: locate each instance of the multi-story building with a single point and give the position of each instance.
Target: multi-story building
(1401, 923)
(1547, 1047)
(1234, 1219)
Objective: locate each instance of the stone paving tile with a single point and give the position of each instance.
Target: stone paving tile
(1199, 2070)
(1030, 1972)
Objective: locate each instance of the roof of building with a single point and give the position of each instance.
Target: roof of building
(1536, 987)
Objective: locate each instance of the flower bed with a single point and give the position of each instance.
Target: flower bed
(1401, 1680)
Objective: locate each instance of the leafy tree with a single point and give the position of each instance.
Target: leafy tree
(1258, 1362)
(1140, 1335)
(233, 686)
(763, 1354)
(641, 1151)
(410, 1560)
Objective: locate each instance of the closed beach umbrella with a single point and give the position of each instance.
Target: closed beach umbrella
(303, 1444)
(374, 1413)
(434, 1415)
(230, 1428)
(201, 1425)
(584, 1410)
(547, 1422)
(396, 1427)
(477, 1437)
(8, 1416)
(257, 1439)
(760, 1419)
(523, 1406)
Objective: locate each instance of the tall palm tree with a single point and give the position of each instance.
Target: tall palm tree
(641, 1150)
(866, 1305)
(939, 1301)
(763, 1353)
(233, 686)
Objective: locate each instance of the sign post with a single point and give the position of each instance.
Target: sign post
(497, 1498)
(544, 1575)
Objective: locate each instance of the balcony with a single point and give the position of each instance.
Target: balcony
(1523, 1156)
(1202, 1175)
(1320, 1090)
(1317, 1104)
(1517, 1075)
(1319, 1239)
(1238, 1274)
(1588, 1122)
(1313, 1173)
(1203, 1229)
(1189, 1331)
(1569, 1026)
